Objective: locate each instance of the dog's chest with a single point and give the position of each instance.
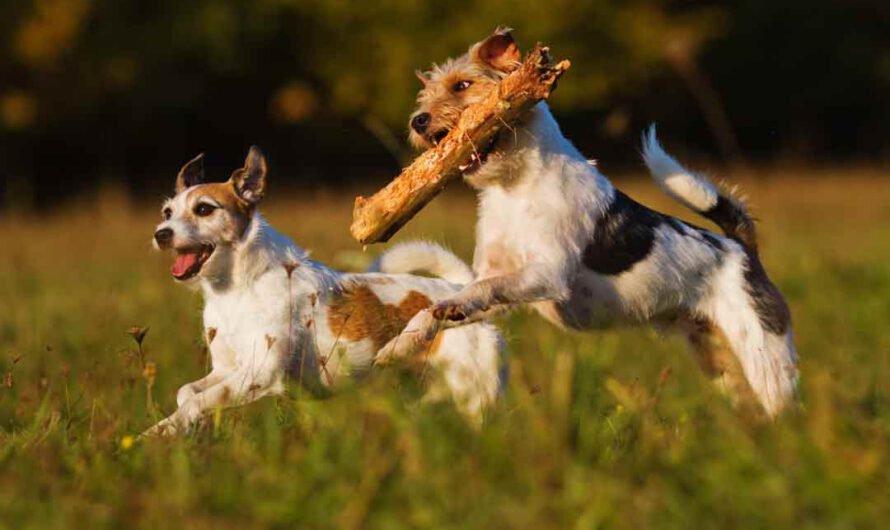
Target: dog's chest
(518, 227)
(247, 324)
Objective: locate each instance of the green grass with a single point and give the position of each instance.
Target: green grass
(608, 430)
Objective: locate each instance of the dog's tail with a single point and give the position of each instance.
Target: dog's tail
(698, 193)
(420, 256)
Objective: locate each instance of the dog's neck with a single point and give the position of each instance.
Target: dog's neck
(534, 149)
(260, 249)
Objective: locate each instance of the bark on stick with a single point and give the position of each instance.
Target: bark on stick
(377, 218)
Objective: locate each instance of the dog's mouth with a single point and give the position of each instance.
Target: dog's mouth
(189, 261)
(479, 157)
(438, 136)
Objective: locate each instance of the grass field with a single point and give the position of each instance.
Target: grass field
(608, 430)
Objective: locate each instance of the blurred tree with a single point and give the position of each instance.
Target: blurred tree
(102, 88)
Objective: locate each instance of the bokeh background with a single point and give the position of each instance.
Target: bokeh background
(101, 101)
(123, 91)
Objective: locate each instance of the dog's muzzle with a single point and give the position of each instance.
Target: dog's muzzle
(421, 122)
(188, 262)
(164, 237)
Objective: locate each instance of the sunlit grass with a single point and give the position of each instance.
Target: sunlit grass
(614, 429)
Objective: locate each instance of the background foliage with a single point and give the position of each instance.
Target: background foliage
(122, 90)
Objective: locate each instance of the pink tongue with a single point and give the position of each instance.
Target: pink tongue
(183, 263)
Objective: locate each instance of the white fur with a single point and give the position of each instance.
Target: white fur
(271, 324)
(539, 202)
(768, 360)
(691, 190)
(416, 256)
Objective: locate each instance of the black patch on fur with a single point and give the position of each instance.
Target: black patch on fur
(625, 234)
(622, 237)
(710, 239)
(769, 304)
(771, 308)
(707, 236)
(678, 225)
(735, 222)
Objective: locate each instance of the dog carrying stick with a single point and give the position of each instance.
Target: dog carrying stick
(379, 217)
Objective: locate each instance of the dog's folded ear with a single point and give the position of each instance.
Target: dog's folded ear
(498, 51)
(191, 174)
(250, 180)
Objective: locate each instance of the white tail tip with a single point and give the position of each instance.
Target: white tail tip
(693, 191)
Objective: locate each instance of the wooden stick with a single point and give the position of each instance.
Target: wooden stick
(377, 218)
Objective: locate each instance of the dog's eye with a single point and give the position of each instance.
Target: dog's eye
(167, 213)
(203, 209)
(460, 86)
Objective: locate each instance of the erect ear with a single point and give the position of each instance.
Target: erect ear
(421, 77)
(250, 180)
(191, 174)
(498, 51)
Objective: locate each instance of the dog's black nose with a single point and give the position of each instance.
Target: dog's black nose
(420, 122)
(164, 236)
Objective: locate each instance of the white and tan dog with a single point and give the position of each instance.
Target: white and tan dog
(271, 313)
(555, 234)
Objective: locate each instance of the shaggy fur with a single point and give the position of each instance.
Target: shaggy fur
(555, 234)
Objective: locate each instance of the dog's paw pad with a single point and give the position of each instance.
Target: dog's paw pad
(457, 315)
(453, 312)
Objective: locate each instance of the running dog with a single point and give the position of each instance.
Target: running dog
(555, 234)
(271, 313)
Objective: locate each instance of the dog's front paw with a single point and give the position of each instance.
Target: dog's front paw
(455, 311)
(165, 428)
(185, 393)
(419, 332)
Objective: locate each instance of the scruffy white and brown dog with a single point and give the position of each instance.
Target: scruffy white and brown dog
(271, 313)
(555, 234)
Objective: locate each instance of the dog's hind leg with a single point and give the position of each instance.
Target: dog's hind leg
(764, 348)
(471, 369)
(768, 362)
(714, 355)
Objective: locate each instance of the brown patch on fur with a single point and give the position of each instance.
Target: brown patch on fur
(444, 105)
(419, 363)
(290, 267)
(240, 211)
(435, 345)
(498, 51)
(718, 361)
(211, 334)
(357, 313)
(484, 64)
